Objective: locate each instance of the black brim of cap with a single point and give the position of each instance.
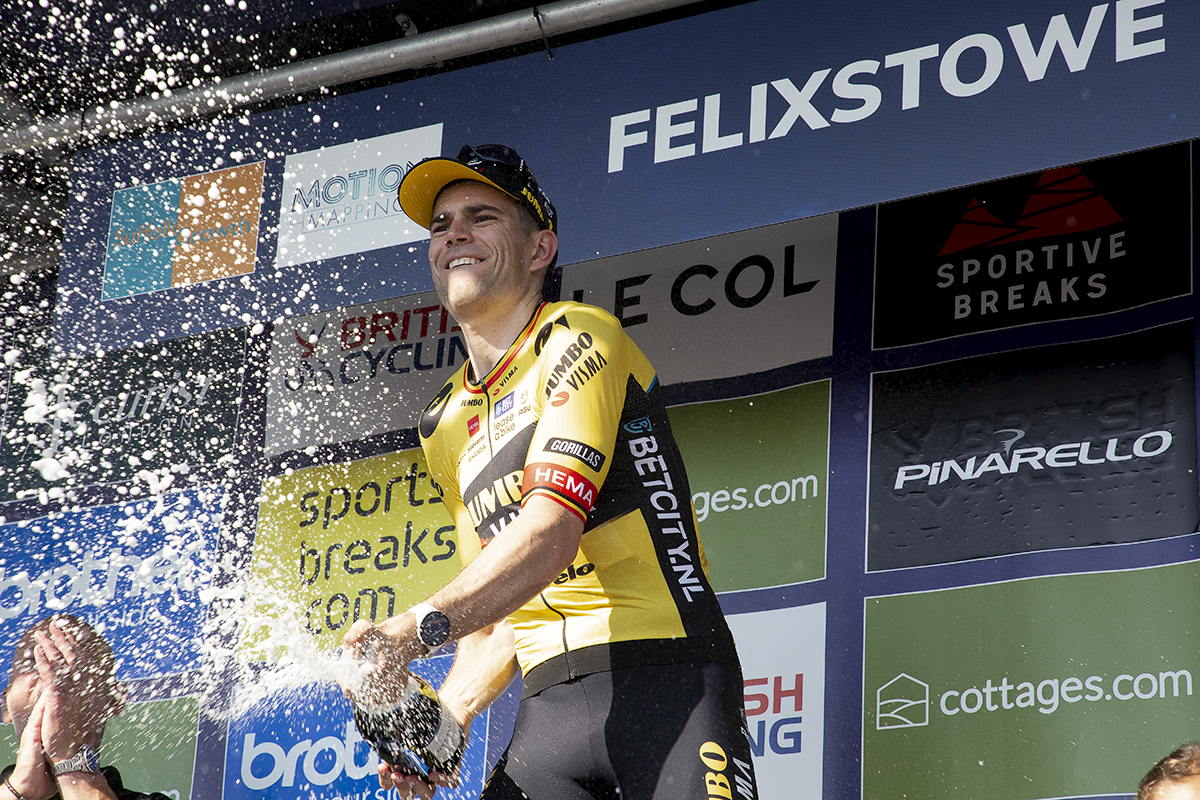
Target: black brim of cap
(425, 181)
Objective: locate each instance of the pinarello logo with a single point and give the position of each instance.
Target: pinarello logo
(1064, 202)
(473, 425)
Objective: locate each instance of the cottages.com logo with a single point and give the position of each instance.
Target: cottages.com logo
(904, 701)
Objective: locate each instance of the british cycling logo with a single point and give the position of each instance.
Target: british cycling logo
(902, 702)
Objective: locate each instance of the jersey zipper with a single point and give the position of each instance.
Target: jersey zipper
(566, 649)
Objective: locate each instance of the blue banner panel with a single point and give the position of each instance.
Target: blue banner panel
(761, 113)
(305, 744)
(134, 571)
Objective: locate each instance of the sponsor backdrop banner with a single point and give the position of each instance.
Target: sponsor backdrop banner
(1067, 242)
(347, 374)
(1029, 688)
(761, 501)
(135, 571)
(785, 697)
(967, 409)
(147, 411)
(343, 542)
(652, 137)
(769, 293)
(1064, 446)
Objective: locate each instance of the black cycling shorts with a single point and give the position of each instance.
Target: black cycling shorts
(639, 733)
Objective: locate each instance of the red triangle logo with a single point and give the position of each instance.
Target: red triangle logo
(1064, 202)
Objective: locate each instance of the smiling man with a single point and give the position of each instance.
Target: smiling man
(582, 569)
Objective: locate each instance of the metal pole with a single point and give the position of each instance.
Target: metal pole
(120, 120)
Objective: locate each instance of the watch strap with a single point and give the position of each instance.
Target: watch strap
(86, 760)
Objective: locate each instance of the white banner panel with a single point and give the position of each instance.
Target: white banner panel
(723, 306)
(341, 200)
(355, 372)
(783, 666)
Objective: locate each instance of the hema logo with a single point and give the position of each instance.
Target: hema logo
(902, 702)
(896, 699)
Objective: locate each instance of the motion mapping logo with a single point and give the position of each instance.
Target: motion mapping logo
(183, 230)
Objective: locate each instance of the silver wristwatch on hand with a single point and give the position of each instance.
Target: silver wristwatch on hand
(86, 760)
(432, 626)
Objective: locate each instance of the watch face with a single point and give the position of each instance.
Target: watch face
(435, 629)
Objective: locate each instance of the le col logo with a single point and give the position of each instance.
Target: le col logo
(697, 288)
(266, 764)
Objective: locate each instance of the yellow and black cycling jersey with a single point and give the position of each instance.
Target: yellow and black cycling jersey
(573, 412)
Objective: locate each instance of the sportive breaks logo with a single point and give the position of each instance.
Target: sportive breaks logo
(1065, 202)
(902, 702)
(183, 230)
(1067, 242)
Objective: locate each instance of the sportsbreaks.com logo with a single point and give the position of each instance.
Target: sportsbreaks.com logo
(904, 701)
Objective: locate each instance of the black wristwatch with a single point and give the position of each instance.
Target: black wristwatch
(86, 760)
(432, 626)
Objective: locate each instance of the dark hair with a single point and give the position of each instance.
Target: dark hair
(1180, 765)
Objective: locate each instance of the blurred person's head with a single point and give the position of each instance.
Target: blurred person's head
(94, 670)
(1176, 777)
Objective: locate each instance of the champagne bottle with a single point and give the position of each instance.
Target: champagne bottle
(417, 735)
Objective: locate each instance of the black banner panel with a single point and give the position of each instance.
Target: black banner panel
(1062, 446)
(146, 412)
(1069, 242)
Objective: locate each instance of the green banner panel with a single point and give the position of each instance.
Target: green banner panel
(1065, 686)
(758, 468)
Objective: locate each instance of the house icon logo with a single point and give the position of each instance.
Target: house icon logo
(902, 702)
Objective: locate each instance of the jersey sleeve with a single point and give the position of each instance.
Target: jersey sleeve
(587, 365)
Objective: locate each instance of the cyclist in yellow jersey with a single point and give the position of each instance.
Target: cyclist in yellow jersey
(584, 574)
